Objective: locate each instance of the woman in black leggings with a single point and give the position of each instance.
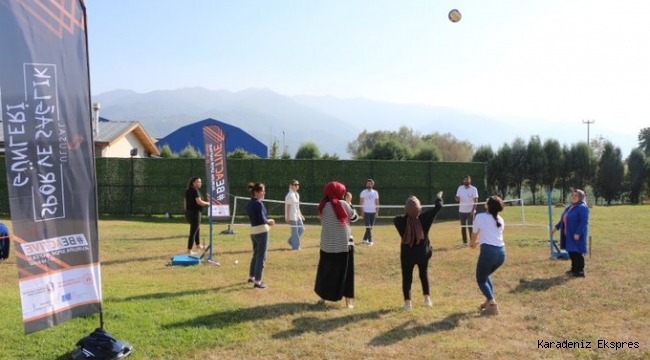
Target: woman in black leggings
(193, 204)
(413, 228)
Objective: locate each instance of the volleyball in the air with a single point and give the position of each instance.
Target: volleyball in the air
(454, 15)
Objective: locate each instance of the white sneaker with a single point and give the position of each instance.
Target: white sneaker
(428, 303)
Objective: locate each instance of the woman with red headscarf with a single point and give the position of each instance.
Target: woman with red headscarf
(335, 274)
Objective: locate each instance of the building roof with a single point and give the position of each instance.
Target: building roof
(112, 131)
(192, 134)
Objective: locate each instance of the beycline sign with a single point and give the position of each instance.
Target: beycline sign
(215, 168)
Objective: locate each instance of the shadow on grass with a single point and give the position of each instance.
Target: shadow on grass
(539, 284)
(228, 318)
(138, 259)
(409, 331)
(169, 295)
(313, 324)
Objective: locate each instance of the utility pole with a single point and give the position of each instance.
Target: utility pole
(588, 122)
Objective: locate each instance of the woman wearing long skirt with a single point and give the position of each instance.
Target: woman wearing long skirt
(335, 274)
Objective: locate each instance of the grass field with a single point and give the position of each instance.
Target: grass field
(208, 312)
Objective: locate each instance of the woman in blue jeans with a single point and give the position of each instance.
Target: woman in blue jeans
(488, 232)
(260, 226)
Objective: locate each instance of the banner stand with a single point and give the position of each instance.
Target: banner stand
(228, 231)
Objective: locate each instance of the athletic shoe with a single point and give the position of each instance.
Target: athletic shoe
(428, 303)
(369, 243)
(406, 307)
(365, 242)
(251, 280)
(491, 309)
(259, 286)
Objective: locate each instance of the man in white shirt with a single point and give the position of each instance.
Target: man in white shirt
(467, 197)
(293, 216)
(369, 202)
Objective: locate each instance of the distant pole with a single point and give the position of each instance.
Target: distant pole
(588, 122)
(284, 146)
(96, 107)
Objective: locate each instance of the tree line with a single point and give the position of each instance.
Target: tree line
(534, 165)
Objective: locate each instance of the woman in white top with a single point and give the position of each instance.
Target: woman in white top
(488, 231)
(293, 216)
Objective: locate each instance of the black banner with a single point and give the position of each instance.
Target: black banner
(47, 128)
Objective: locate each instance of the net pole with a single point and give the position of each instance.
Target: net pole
(550, 220)
(211, 219)
(234, 211)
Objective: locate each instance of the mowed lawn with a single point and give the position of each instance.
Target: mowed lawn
(210, 312)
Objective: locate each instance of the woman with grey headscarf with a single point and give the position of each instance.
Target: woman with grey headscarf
(574, 227)
(413, 228)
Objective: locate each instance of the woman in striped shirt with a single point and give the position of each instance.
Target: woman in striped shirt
(335, 274)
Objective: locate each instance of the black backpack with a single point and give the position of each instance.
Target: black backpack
(101, 345)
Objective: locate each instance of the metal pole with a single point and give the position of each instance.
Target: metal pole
(588, 122)
(96, 107)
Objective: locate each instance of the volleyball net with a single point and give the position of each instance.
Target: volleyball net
(276, 210)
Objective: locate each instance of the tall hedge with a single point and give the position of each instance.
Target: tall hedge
(147, 186)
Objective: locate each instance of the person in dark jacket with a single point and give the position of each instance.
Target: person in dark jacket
(5, 242)
(574, 228)
(413, 228)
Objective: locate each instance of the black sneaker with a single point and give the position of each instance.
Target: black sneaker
(580, 274)
(259, 286)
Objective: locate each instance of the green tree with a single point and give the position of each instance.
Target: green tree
(566, 174)
(637, 173)
(427, 152)
(327, 156)
(644, 140)
(519, 165)
(597, 145)
(537, 164)
(240, 153)
(502, 170)
(485, 154)
(274, 150)
(308, 150)
(450, 148)
(360, 147)
(166, 152)
(285, 155)
(388, 150)
(189, 152)
(582, 163)
(610, 173)
(554, 163)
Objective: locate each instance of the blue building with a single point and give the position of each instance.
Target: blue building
(192, 134)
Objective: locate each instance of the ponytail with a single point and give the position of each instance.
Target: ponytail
(494, 207)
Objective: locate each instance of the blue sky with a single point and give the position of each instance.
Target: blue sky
(556, 61)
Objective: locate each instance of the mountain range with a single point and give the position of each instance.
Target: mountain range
(331, 123)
